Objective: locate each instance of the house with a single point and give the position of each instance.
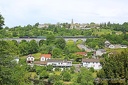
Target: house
(111, 46)
(107, 43)
(59, 63)
(117, 46)
(43, 25)
(88, 63)
(100, 52)
(81, 53)
(80, 46)
(45, 57)
(123, 46)
(30, 59)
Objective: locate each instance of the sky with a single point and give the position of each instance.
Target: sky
(24, 12)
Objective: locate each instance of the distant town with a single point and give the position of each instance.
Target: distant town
(71, 25)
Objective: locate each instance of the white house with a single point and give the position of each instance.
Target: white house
(107, 43)
(43, 25)
(123, 46)
(59, 62)
(100, 52)
(30, 59)
(88, 63)
(45, 57)
(117, 46)
(111, 46)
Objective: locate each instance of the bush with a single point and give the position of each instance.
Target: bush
(92, 69)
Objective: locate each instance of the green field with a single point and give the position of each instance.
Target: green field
(36, 56)
(104, 32)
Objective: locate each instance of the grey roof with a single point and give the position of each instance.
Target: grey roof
(57, 60)
(102, 50)
(40, 62)
(90, 60)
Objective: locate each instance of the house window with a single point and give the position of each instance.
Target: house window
(69, 62)
(31, 59)
(28, 59)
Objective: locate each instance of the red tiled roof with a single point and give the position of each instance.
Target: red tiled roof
(81, 53)
(46, 55)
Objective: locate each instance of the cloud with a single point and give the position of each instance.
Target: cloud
(23, 12)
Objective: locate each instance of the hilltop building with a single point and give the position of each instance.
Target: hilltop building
(72, 24)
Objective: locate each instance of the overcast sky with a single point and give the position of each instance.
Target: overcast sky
(24, 12)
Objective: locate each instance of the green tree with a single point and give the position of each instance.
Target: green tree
(39, 69)
(1, 21)
(115, 68)
(46, 48)
(50, 39)
(44, 74)
(56, 53)
(13, 48)
(53, 78)
(58, 83)
(10, 72)
(41, 42)
(60, 43)
(72, 69)
(49, 68)
(33, 47)
(85, 77)
(24, 48)
(66, 76)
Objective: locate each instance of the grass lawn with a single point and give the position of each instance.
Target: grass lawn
(67, 83)
(116, 50)
(57, 72)
(94, 75)
(101, 31)
(36, 56)
(79, 41)
(70, 42)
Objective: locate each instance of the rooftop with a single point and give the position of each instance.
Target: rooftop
(81, 53)
(46, 55)
(40, 62)
(90, 60)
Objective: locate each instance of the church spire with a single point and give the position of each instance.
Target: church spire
(71, 27)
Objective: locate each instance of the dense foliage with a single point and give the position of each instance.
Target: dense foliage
(114, 69)
(1, 21)
(10, 72)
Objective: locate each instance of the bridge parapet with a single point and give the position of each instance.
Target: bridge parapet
(74, 38)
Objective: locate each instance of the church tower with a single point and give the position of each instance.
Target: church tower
(72, 24)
